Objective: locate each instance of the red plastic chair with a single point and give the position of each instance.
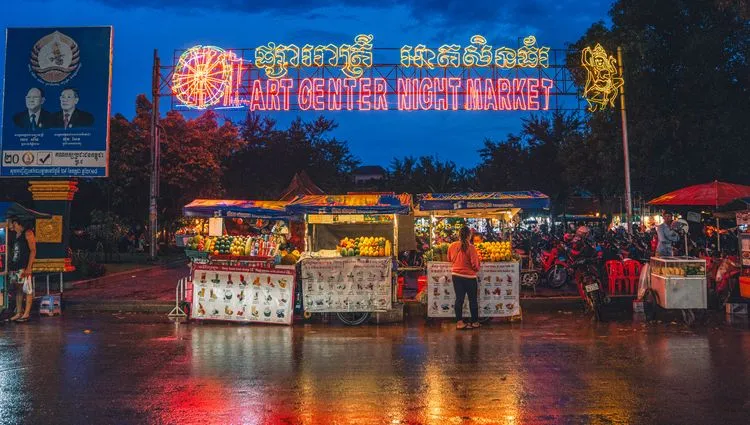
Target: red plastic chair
(615, 275)
(632, 274)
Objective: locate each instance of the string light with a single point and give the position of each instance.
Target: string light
(602, 80)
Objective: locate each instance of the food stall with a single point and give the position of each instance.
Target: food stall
(347, 267)
(238, 259)
(490, 215)
(743, 222)
(679, 282)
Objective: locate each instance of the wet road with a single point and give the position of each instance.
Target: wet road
(556, 368)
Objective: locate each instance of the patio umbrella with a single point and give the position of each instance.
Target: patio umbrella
(713, 195)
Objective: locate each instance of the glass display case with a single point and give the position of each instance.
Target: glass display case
(678, 266)
(680, 282)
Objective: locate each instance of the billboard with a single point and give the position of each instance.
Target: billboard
(56, 102)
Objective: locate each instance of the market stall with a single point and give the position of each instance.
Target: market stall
(350, 240)
(491, 216)
(242, 260)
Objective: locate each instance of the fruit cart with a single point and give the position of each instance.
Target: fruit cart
(677, 283)
(488, 215)
(242, 264)
(350, 241)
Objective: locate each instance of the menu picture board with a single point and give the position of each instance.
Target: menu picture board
(499, 292)
(243, 294)
(351, 284)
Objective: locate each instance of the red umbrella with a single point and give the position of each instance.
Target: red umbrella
(713, 194)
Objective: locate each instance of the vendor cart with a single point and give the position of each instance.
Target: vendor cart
(236, 270)
(350, 242)
(677, 283)
(490, 215)
(10, 209)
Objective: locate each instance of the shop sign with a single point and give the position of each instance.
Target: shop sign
(56, 103)
(347, 77)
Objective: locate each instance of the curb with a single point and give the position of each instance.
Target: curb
(128, 306)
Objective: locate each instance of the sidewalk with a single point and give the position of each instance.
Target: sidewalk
(145, 289)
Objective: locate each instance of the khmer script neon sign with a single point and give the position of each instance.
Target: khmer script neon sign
(476, 76)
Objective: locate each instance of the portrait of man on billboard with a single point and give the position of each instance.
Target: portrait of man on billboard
(69, 115)
(34, 117)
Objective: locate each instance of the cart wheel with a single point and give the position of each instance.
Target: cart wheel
(529, 279)
(557, 277)
(353, 319)
(306, 315)
(650, 304)
(688, 316)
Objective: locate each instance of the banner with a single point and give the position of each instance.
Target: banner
(243, 294)
(499, 293)
(56, 102)
(354, 284)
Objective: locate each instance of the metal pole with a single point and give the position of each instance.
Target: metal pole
(626, 151)
(154, 189)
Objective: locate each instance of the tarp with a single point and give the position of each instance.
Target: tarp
(528, 200)
(17, 210)
(714, 194)
(235, 208)
(351, 204)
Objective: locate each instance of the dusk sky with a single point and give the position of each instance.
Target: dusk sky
(374, 137)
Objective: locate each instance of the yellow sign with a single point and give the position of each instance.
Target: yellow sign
(602, 80)
(49, 230)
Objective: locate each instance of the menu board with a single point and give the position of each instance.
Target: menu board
(351, 284)
(243, 294)
(499, 293)
(745, 249)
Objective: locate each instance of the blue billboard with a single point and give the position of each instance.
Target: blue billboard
(56, 102)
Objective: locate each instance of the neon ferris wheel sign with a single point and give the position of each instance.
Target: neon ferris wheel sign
(282, 77)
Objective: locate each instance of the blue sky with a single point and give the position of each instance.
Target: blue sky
(375, 137)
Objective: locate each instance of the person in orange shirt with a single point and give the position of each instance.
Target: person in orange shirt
(465, 265)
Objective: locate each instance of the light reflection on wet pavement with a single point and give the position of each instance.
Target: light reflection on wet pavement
(553, 368)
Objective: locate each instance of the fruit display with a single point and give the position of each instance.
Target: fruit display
(681, 270)
(233, 245)
(446, 230)
(289, 258)
(365, 246)
(438, 252)
(495, 251)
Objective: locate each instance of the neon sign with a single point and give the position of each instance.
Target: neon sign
(602, 80)
(449, 78)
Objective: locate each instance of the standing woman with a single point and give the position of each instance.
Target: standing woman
(21, 263)
(465, 265)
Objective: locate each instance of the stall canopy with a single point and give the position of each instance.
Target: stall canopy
(235, 209)
(445, 203)
(351, 204)
(12, 209)
(300, 185)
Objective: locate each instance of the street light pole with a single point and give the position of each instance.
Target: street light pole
(155, 148)
(625, 148)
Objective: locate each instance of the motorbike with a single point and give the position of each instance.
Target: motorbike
(585, 266)
(554, 263)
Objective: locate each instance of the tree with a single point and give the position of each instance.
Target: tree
(687, 80)
(270, 157)
(426, 174)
